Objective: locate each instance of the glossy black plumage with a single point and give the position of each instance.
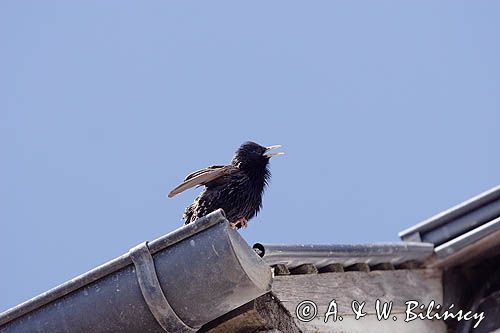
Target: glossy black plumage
(237, 188)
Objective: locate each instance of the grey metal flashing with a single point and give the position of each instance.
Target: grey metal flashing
(152, 292)
(469, 238)
(322, 255)
(215, 272)
(457, 220)
(470, 226)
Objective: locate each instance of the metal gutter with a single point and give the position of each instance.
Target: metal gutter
(322, 255)
(200, 271)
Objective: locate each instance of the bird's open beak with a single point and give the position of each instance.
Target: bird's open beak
(272, 154)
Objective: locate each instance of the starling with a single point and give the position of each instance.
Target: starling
(237, 188)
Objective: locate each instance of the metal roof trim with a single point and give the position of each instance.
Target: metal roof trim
(452, 213)
(453, 246)
(347, 254)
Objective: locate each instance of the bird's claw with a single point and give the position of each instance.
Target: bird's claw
(239, 223)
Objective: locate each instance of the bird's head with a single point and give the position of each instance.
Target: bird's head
(252, 156)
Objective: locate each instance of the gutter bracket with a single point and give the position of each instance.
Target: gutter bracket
(152, 292)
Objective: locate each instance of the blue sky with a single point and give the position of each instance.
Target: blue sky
(388, 111)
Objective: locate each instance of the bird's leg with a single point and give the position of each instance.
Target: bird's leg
(241, 222)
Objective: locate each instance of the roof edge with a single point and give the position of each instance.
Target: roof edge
(447, 215)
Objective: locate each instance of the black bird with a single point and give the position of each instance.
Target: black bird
(237, 188)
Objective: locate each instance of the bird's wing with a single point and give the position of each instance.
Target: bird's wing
(202, 177)
(202, 171)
